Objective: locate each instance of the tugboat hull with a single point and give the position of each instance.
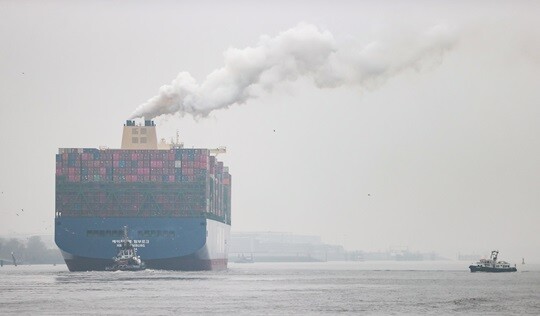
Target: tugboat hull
(491, 269)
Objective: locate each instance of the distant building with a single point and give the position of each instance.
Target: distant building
(286, 247)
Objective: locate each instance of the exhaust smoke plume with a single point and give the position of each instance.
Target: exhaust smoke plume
(304, 50)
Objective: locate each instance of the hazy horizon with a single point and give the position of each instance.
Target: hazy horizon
(436, 153)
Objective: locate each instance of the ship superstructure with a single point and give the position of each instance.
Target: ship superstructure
(492, 264)
(175, 201)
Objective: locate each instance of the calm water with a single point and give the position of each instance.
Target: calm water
(276, 288)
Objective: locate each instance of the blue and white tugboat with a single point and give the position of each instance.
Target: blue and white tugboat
(492, 265)
(127, 259)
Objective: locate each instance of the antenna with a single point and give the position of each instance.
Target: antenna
(177, 143)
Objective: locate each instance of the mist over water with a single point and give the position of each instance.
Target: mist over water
(273, 289)
(304, 50)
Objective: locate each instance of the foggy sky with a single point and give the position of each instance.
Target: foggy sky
(442, 157)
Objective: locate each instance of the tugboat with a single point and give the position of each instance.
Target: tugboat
(127, 259)
(492, 265)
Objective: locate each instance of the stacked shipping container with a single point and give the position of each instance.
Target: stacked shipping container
(116, 182)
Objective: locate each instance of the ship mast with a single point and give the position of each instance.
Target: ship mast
(494, 254)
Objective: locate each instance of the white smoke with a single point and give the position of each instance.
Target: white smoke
(301, 51)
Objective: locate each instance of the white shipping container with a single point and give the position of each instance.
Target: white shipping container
(178, 163)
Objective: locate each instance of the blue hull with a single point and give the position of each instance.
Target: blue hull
(90, 243)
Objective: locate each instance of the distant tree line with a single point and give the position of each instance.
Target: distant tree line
(33, 251)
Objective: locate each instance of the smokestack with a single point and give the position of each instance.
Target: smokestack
(138, 136)
(303, 51)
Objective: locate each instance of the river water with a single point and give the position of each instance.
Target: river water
(273, 289)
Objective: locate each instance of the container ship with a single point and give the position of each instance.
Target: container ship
(174, 201)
